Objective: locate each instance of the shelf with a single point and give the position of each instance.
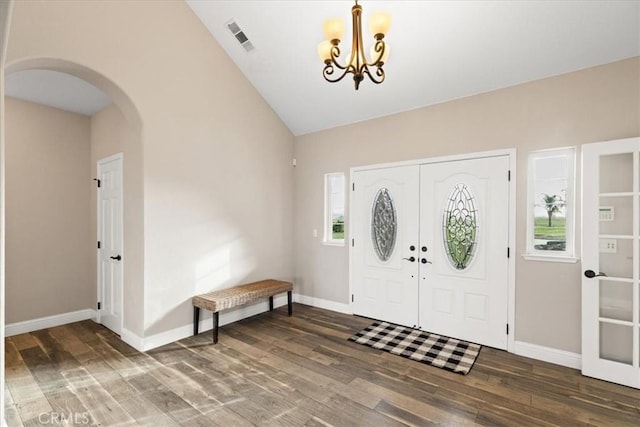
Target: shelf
(616, 236)
(615, 321)
(624, 194)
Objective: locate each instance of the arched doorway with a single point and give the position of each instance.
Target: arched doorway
(116, 129)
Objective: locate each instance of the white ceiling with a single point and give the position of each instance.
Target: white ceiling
(57, 90)
(440, 50)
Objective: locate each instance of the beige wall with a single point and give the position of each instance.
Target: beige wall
(112, 134)
(217, 182)
(5, 14)
(592, 105)
(47, 212)
(216, 168)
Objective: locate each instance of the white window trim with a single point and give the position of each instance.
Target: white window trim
(532, 254)
(328, 239)
(551, 258)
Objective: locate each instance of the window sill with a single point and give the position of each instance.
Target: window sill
(549, 258)
(330, 243)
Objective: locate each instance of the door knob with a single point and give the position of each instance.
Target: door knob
(412, 248)
(591, 274)
(424, 261)
(117, 258)
(424, 249)
(410, 259)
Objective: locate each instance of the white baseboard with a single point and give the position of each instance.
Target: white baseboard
(534, 351)
(132, 339)
(158, 340)
(323, 303)
(548, 354)
(48, 322)
(205, 324)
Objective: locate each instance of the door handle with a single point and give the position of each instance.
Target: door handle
(591, 274)
(424, 261)
(410, 259)
(117, 258)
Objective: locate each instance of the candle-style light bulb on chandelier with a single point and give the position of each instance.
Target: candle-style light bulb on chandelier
(356, 61)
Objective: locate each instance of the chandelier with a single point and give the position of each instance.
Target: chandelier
(356, 61)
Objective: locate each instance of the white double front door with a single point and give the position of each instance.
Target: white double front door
(430, 247)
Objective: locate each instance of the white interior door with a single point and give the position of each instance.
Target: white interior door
(110, 238)
(385, 240)
(610, 248)
(464, 239)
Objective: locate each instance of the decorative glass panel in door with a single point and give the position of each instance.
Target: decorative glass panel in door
(460, 227)
(610, 285)
(383, 224)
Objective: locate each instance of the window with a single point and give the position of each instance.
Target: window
(334, 208)
(550, 205)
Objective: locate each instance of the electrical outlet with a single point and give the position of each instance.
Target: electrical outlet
(608, 246)
(315, 232)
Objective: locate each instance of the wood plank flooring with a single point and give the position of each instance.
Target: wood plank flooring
(274, 370)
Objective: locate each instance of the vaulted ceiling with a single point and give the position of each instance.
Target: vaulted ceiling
(440, 50)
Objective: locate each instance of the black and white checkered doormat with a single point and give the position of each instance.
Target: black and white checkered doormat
(442, 352)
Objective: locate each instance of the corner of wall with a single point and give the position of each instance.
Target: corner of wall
(157, 340)
(548, 354)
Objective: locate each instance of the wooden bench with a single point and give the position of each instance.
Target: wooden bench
(238, 295)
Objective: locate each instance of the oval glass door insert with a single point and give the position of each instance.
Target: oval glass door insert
(383, 224)
(460, 227)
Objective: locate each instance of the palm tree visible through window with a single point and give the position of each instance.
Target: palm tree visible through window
(552, 204)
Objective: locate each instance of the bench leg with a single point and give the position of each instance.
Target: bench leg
(215, 327)
(271, 303)
(196, 319)
(289, 303)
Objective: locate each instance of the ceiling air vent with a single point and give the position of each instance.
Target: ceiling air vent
(240, 36)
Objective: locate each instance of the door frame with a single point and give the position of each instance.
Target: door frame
(511, 285)
(99, 163)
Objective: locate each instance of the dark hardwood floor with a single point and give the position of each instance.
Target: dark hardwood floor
(277, 370)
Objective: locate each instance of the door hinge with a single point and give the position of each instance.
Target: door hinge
(98, 306)
(509, 175)
(352, 298)
(353, 242)
(508, 251)
(353, 186)
(97, 181)
(507, 329)
(98, 244)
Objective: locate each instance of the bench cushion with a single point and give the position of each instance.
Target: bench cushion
(238, 295)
